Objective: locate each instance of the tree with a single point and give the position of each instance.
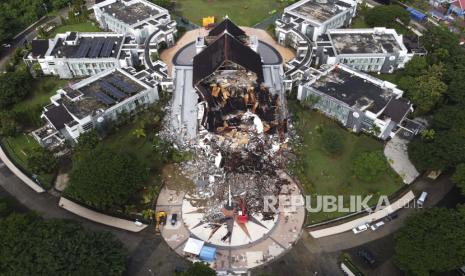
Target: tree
(386, 16)
(198, 269)
(86, 142)
(41, 161)
(332, 141)
(369, 166)
(105, 179)
(33, 246)
(431, 241)
(417, 66)
(14, 86)
(459, 177)
(456, 87)
(429, 90)
(8, 124)
(439, 37)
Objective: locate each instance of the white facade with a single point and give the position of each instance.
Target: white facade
(66, 58)
(368, 50)
(314, 17)
(137, 18)
(81, 111)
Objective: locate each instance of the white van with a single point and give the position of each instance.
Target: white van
(421, 200)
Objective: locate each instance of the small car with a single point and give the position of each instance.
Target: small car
(360, 228)
(377, 225)
(367, 256)
(174, 219)
(421, 200)
(391, 216)
(6, 45)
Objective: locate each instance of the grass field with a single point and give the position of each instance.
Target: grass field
(242, 12)
(322, 174)
(79, 27)
(31, 108)
(18, 149)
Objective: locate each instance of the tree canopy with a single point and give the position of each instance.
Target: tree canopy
(14, 86)
(41, 161)
(104, 178)
(431, 241)
(459, 177)
(386, 16)
(198, 269)
(33, 246)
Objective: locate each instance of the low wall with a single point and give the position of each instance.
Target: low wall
(99, 217)
(404, 200)
(4, 157)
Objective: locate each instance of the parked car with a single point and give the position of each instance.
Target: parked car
(360, 228)
(391, 216)
(174, 219)
(421, 200)
(461, 270)
(377, 225)
(367, 256)
(6, 45)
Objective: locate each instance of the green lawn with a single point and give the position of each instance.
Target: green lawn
(322, 174)
(359, 22)
(18, 149)
(242, 12)
(31, 108)
(79, 27)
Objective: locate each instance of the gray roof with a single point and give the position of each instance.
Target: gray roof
(130, 14)
(319, 11)
(364, 43)
(353, 90)
(89, 47)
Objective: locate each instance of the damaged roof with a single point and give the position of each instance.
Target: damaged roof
(229, 27)
(226, 48)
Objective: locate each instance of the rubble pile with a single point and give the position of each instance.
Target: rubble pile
(241, 145)
(229, 95)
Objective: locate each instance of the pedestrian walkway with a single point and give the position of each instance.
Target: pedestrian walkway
(397, 156)
(99, 217)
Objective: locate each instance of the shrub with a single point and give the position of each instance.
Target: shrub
(332, 141)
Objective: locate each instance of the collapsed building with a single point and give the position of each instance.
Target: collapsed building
(220, 77)
(229, 108)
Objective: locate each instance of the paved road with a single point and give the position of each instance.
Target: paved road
(28, 37)
(145, 248)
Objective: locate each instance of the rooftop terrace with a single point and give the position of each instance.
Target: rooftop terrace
(320, 10)
(354, 90)
(88, 46)
(131, 14)
(362, 43)
(102, 93)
